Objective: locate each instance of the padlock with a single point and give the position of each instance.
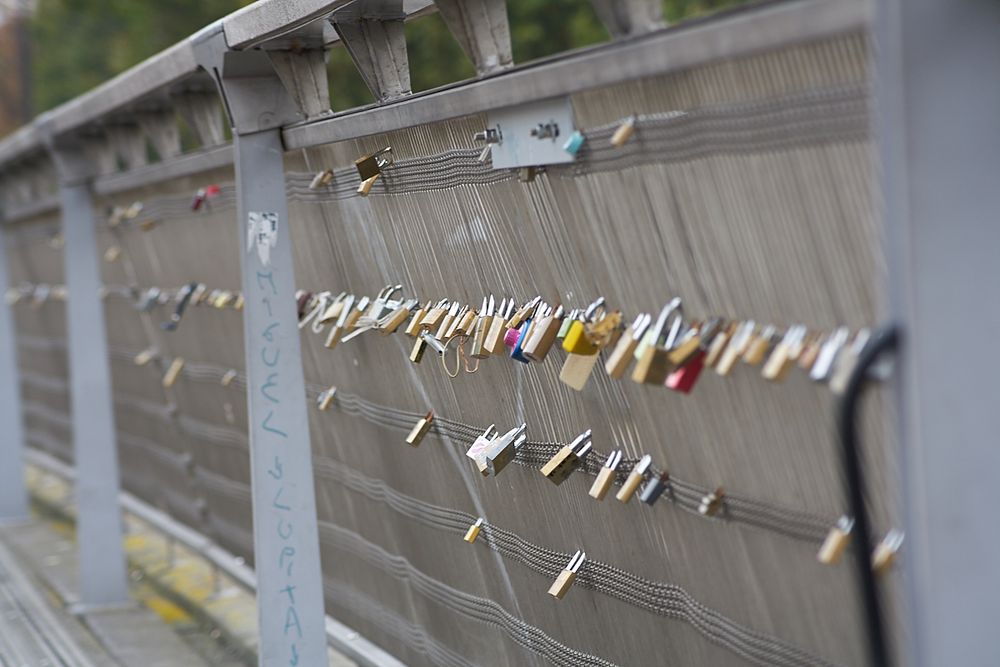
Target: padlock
(810, 353)
(337, 330)
(145, 356)
(711, 503)
(325, 398)
(634, 478)
(477, 452)
(112, 253)
(495, 337)
(566, 578)
(503, 449)
(482, 328)
(718, 345)
(836, 541)
(413, 327)
(738, 344)
(473, 532)
(682, 379)
(576, 340)
(577, 369)
(783, 357)
(653, 366)
(686, 347)
(228, 377)
(567, 323)
(447, 320)
(419, 430)
(568, 459)
(394, 319)
(574, 143)
(846, 361)
(624, 132)
(654, 488)
(885, 552)
(454, 328)
(173, 372)
(618, 360)
(524, 312)
(433, 318)
(825, 360)
(369, 166)
(321, 179)
(517, 351)
(606, 477)
(511, 336)
(543, 336)
(238, 303)
(759, 346)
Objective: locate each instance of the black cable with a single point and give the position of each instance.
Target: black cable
(883, 340)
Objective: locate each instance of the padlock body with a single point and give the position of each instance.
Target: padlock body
(576, 341)
(683, 378)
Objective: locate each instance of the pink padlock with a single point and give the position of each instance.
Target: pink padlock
(510, 338)
(683, 378)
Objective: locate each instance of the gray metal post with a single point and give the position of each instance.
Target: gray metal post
(290, 611)
(938, 105)
(13, 495)
(103, 576)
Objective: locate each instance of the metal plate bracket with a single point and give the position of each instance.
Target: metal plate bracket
(532, 134)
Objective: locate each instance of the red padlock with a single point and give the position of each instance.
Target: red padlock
(683, 378)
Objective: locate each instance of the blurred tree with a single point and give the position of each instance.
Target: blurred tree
(78, 44)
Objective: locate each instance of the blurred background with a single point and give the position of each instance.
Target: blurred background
(87, 42)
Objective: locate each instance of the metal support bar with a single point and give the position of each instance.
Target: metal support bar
(482, 30)
(625, 18)
(103, 577)
(939, 147)
(201, 111)
(286, 534)
(161, 129)
(129, 143)
(303, 74)
(13, 495)
(372, 32)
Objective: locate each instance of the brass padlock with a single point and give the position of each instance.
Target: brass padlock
(653, 365)
(634, 479)
(495, 336)
(413, 328)
(619, 359)
(624, 132)
(543, 336)
(337, 330)
(228, 377)
(738, 344)
(785, 352)
(577, 369)
(447, 321)
(417, 352)
(112, 253)
(394, 319)
(322, 178)
(238, 304)
(885, 552)
(473, 532)
(810, 352)
(419, 430)
(759, 346)
(606, 477)
(369, 166)
(482, 328)
(432, 320)
(173, 372)
(711, 503)
(145, 356)
(566, 578)
(718, 345)
(325, 398)
(836, 541)
(568, 459)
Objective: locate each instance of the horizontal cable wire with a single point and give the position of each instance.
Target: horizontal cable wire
(818, 116)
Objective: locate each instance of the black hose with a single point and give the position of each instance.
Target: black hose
(884, 339)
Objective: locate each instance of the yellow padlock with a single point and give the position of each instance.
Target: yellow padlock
(576, 341)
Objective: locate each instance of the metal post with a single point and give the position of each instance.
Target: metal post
(938, 107)
(103, 577)
(286, 536)
(13, 495)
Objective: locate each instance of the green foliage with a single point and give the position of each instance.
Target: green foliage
(78, 44)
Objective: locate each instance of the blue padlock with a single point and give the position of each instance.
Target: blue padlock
(516, 353)
(575, 141)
